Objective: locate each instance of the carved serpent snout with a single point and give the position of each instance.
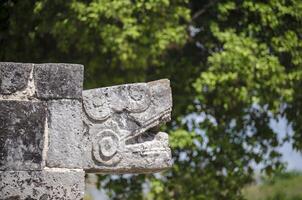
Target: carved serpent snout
(121, 122)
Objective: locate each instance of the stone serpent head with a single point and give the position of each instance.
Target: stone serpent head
(122, 123)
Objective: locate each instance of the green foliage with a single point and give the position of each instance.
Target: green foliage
(282, 186)
(122, 38)
(233, 65)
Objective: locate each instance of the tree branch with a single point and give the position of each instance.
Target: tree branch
(203, 10)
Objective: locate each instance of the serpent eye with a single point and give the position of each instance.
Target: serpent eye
(108, 146)
(105, 148)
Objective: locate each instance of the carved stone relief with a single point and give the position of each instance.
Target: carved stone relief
(123, 124)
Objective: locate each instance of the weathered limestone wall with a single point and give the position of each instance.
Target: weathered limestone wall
(44, 184)
(40, 130)
(52, 132)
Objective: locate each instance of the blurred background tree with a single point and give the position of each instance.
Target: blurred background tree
(234, 66)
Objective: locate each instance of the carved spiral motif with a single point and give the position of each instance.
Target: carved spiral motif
(105, 148)
(97, 107)
(133, 98)
(138, 97)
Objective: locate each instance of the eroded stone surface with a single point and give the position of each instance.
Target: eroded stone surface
(14, 77)
(48, 135)
(122, 127)
(58, 81)
(65, 134)
(21, 134)
(42, 185)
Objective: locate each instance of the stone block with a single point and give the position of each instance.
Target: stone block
(27, 144)
(58, 81)
(48, 184)
(42, 81)
(14, 77)
(21, 134)
(65, 134)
